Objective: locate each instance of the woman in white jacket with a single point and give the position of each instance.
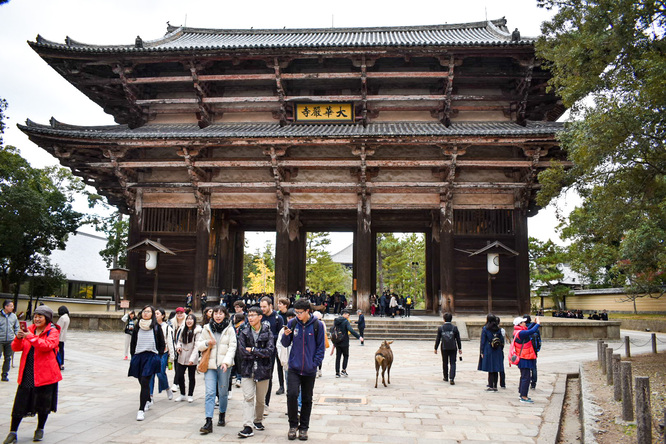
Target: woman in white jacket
(220, 336)
(188, 356)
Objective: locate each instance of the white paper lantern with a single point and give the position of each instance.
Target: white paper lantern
(151, 259)
(493, 263)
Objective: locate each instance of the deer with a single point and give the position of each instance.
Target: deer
(384, 359)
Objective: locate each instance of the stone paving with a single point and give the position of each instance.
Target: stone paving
(98, 402)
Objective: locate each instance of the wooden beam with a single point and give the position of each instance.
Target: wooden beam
(137, 117)
(524, 90)
(448, 92)
(280, 92)
(285, 76)
(333, 98)
(205, 114)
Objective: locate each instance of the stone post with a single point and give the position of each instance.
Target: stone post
(654, 343)
(603, 358)
(627, 398)
(627, 347)
(609, 366)
(599, 345)
(617, 380)
(643, 411)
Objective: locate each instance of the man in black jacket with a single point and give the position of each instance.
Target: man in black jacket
(342, 325)
(257, 349)
(449, 336)
(275, 323)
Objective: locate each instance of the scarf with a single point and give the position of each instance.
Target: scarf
(144, 324)
(218, 328)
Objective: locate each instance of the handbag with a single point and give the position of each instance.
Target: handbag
(203, 361)
(514, 356)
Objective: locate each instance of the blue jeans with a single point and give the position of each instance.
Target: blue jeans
(161, 376)
(216, 380)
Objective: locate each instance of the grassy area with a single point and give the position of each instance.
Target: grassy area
(619, 316)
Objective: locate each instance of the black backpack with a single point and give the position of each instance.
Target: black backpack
(336, 334)
(448, 340)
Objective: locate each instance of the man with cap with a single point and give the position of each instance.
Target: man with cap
(535, 339)
(9, 326)
(525, 350)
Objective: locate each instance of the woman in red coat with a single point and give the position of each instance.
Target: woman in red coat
(38, 374)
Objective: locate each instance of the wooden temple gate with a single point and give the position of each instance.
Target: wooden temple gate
(226, 131)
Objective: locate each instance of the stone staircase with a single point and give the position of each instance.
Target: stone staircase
(415, 328)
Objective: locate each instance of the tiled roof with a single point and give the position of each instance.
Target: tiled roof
(488, 33)
(269, 130)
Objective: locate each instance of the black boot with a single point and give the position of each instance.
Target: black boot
(221, 422)
(208, 427)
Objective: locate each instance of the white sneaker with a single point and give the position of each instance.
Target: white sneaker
(149, 404)
(238, 383)
(175, 388)
(229, 396)
(140, 416)
(179, 398)
(169, 394)
(190, 399)
(318, 373)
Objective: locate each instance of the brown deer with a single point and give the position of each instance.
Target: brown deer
(384, 359)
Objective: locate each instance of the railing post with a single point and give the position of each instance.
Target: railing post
(627, 397)
(627, 347)
(604, 347)
(599, 344)
(609, 366)
(654, 343)
(643, 411)
(617, 379)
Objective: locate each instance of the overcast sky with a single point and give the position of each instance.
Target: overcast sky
(36, 91)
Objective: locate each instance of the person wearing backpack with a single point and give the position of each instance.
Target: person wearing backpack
(449, 336)
(535, 338)
(340, 338)
(492, 357)
(526, 352)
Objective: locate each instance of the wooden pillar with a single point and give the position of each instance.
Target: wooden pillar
(447, 269)
(281, 258)
(237, 261)
(201, 253)
(296, 271)
(363, 247)
(373, 266)
(134, 260)
(522, 261)
(224, 263)
(432, 273)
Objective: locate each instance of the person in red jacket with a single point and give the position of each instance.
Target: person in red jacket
(38, 374)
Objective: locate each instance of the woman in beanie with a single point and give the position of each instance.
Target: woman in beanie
(218, 335)
(146, 347)
(39, 373)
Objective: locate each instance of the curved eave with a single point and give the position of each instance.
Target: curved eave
(181, 39)
(273, 131)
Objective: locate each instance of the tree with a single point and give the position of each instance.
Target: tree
(608, 61)
(36, 215)
(322, 274)
(263, 281)
(401, 264)
(116, 229)
(267, 257)
(546, 258)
